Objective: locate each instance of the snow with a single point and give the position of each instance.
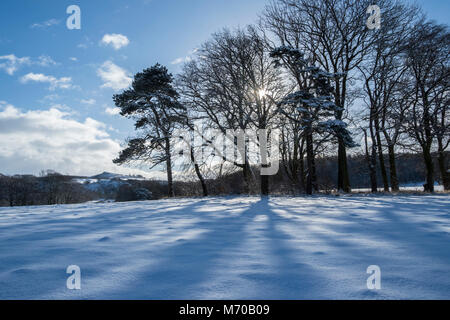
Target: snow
(103, 185)
(109, 176)
(230, 248)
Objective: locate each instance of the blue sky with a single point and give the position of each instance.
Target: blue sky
(56, 84)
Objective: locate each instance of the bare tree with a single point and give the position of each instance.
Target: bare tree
(441, 126)
(187, 122)
(428, 65)
(371, 158)
(232, 85)
(292, 150)
(334, 33)
(312, 103)
(383, 72)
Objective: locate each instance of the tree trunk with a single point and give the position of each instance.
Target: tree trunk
(314, 174)
(246, 174)
(443, 166)
(343, 178)
(429, 185)
(264, 179)
(199, 174)
(393, 169)
(302, 171)
(426, 145)
(264, 185)
(295, 166)
(310, 163)
(372, 163)
(171, 193)
(381, 157)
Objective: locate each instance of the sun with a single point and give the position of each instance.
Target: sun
(262, 93)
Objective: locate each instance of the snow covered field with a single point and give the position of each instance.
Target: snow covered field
(229, 248)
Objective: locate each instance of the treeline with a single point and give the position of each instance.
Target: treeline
(315, 71)
(51, 188)
(411, 170)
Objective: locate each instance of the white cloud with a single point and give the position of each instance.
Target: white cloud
(73, 59)
(86, 43)
(50, 139)
(187, 58)
(61, 83)
(88, 101)
(10, 63)
(62, 107)
(117, 41)
(112, 111)
(181, 60)
(50, 97)
(114, 76)
(45, 24)
(45, 61)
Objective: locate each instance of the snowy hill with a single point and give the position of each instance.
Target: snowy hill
(109, 176)
(107, 183)
(229, 248)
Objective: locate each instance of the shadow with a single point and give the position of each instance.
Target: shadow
(35, 258)
(231, 248)
(399, 234)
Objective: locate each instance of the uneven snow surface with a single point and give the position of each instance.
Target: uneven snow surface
(229, 248)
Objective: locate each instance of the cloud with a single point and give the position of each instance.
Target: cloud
(11, 63)
(45, 61)
(113, 76)
(73, 59)
(50, 97)
(187, 58)
(88, 101)
(55, 83)
(117, 41)
(112, 111)
(62, 107)
(181, 60)
(45, 24)
(50, 139)
(86, 43)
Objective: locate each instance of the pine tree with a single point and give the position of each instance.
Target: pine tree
(153, 103)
